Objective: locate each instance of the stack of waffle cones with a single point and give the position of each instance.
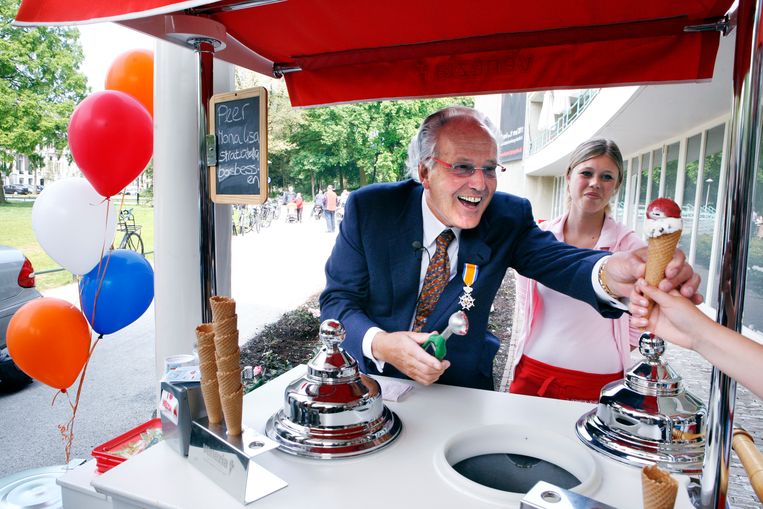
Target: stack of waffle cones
(205, 345)
(658, 487)
(220, 365)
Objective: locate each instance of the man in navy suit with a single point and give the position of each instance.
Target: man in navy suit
(378, 267)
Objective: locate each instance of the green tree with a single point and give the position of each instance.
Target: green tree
(40, 86)
(358, 144)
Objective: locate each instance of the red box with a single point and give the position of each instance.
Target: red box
(126, 445)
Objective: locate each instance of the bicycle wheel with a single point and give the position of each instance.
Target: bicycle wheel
(264, 217)
(133, 242)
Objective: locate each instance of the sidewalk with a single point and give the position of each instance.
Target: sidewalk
(273, 271)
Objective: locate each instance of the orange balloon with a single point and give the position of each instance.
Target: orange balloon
(133, 73)
(49, 340)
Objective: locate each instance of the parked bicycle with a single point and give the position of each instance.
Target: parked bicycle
(131, 238)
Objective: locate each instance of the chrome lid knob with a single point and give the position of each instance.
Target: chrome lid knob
(652, 347)
(331, 333)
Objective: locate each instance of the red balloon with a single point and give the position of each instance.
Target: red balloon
(111, 139)
(49, 340)
(132, 72)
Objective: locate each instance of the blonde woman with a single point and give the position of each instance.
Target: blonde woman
(567, 350)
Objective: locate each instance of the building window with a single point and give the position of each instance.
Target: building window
(752, 316)
(670, 173)
(711, 177)
(691, 174)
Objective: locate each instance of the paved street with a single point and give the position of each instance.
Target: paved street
(273, 271)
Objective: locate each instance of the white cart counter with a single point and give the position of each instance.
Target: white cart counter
(401, 475)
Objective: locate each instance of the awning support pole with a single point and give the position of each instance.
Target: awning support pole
(205, 48)
(744, 142)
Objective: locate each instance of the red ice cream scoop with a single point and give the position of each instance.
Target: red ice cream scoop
(663, 207)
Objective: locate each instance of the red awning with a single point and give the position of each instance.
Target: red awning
(354, 50)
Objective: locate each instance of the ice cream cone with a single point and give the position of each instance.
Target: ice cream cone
(233, 407)
(222, 307)
(658, 487)
(205, 352)
(205, 335)
(226, 326)
(210, 391)
(229, 362)
(229, 382)
(208, 370)
(659, 253)
(226, 345)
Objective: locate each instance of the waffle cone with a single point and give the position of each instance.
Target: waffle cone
(222, 307)
(226, 345)
(205, 351)
(230, 362)
(658, 487)
(229, 382)
(208, 368)
(226, 326)
(211, 393)
(659, 252)
(205, 335)
(206, 356)
(233, 407)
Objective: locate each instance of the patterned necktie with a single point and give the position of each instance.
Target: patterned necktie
(438, 274)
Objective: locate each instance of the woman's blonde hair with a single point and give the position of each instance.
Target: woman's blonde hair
(595, 148)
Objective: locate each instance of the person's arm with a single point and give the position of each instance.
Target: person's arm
(677, 320)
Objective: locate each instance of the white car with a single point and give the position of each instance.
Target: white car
(17, 287)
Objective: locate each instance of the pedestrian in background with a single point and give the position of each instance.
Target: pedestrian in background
(300, 203)
(329, 209)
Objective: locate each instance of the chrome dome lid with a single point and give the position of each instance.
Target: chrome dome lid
(648, 418)
(333, 411)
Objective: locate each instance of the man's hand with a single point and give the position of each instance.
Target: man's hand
(624, 268)
(403, 350)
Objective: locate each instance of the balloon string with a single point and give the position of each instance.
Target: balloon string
(102, 274)
(67, 430)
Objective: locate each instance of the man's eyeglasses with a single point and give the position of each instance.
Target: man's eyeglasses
(467, 170)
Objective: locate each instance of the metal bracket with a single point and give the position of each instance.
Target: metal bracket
(211, 141)
(279, 70)
(722, 25)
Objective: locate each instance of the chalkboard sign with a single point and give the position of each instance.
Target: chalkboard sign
(239, 167)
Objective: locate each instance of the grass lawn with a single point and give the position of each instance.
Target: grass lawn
(16, 231)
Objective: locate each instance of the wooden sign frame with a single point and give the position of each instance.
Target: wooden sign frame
(262, 145)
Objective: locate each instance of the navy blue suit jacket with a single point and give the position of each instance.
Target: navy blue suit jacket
(373, 273)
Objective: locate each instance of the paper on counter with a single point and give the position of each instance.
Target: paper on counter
(393, 391)
(183, 374)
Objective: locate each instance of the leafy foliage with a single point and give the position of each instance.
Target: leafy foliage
(40, 85)
(358, 144)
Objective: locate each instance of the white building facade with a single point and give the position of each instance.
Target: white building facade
(674, 140)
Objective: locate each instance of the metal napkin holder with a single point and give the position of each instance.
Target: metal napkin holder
(229, 460)
(648, 418)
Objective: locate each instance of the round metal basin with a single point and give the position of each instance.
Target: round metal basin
(500, 463)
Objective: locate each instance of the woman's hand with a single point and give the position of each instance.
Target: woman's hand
(674, 318)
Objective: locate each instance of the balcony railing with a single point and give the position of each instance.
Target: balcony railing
(563, 121)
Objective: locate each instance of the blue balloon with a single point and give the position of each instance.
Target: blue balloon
(126, 282)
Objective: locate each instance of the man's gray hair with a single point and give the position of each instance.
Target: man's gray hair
(423, 146)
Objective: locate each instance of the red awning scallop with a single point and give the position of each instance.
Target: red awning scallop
(355, 50)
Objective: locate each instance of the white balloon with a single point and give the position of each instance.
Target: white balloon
(74, 224)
